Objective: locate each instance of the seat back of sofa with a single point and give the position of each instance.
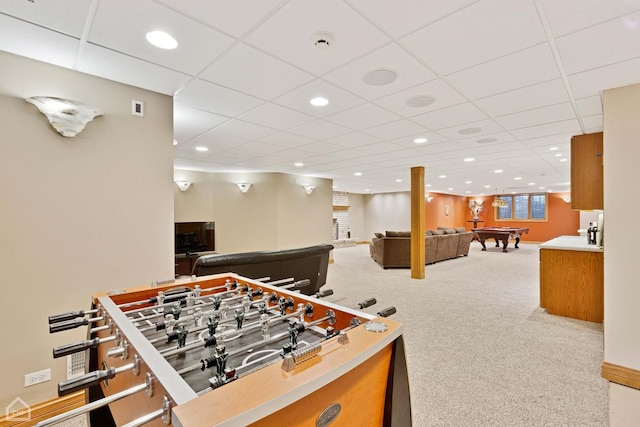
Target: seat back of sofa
(464, 243)
(302, 263)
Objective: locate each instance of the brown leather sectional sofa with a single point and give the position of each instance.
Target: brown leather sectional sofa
(393, 249)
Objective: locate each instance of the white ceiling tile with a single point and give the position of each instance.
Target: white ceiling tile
(507, 73)
(121, 25)
(589, 106)
(233, 17)
(242, 129)
(395, 130)
(216, 99)
(354, 139)
(276, 117)
(550, 140)
(592, 82)
(132, 71)
(362, 117)
(593, 122)
(237, 69)
(321, 147)
(567, 126)
(537, 116)
(402, 16)
(486, 127)
(285, 139)
(451, 116)
(487, 140)
(441, 92)
(481, 32)
(214, 140)
(611, 42)
(392, 57)
(63, 16)
(35, 42)
(408, 141)
(299, 98)
(288, 35)
(319, 129)
(526, 98)
(380, 147)
(567, 16)
(252, 150)
(190, 122)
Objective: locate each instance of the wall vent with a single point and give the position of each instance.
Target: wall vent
(76, 364)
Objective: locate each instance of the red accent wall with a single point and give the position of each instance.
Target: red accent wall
(561, 219)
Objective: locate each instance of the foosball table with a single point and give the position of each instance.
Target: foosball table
(225, 350)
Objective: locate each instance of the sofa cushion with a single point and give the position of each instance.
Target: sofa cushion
(379, 235)
(437, 232)
(461, 229)
(450, 231)
(398, 233)
(428, 233)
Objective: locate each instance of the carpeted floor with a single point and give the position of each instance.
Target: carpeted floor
(480, 351)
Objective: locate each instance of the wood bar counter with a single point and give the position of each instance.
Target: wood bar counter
(572, 278)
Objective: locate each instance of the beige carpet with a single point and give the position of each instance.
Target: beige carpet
(480, 350)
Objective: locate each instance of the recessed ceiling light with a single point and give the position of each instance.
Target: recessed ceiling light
(367, 190)
(420, 140)
(553, 148)
(319, 101)
(357, 173)
(380, 77)
(298, 164)
(467, 182)
(428, 185)
(450, 189)
(558, 154)
(467, 192)
(335, 186)
(162, 40)
(532, 183)
(541, 188)
(498, 171)
(517, 178)
(486, 140)
(398, 180)
(175, 142)
(469, 131)
(564, 159)
(442, 176)
(469, 159)
(487, 186)
(203, 149)
(420, 101)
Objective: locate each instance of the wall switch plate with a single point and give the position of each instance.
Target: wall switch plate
(137, 108)
(37, 377)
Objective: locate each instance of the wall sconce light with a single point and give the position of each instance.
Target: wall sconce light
(309, 188)
(66, 116)
(566, 199)
(243, 186)
(183, 185)
(429, 199)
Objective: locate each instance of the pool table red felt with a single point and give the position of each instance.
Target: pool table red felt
(500, 234)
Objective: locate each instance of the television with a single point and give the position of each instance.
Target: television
(194, 237)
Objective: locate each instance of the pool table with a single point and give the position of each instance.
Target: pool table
(500, 234)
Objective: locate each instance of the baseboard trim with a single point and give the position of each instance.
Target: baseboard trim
(47, 409)
(621, 375)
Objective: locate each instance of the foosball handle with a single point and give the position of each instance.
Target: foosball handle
(387, 312)
(75, 347)
(367, 303)
(57, 318)
(85, 381)
(301, 284)
(64, 326)
(325, 293)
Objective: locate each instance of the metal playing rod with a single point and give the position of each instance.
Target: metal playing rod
(72, 324)
(56, 318)
(164, 412)
(97, 404)
(76, 347)
(96, 377)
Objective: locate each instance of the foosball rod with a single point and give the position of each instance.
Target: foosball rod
(147, 385)
(79, 346)
(173, 303)
(57, 318)
(164, 413)
(72, 324)
(178, 295)
(96, 377)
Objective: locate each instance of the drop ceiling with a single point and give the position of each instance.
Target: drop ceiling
(503, 82)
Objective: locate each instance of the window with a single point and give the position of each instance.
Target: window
(523, 207)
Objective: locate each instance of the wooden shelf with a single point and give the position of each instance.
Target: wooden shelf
(340, 207)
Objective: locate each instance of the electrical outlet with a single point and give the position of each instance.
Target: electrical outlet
(37, 377)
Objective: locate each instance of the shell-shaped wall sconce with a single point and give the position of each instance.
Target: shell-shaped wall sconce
(68, 117)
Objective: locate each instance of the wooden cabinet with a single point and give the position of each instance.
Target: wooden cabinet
(586, 172)
(572, 283)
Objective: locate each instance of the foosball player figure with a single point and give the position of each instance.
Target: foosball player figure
(197, 317)
(182, 335)
(220, 358)
(262, 308)
(239, 316)
(246, 303)
(216, 300)
(160, 298)
(197, 291)
(224, 308)
(212, 324)
(293, 335)
(264, 326)
(169, 323)
(176, 310)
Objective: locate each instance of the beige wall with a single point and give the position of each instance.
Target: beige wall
(276, 212)
(387, 211)
(78, 215)
(356, 218)
(621, 207)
